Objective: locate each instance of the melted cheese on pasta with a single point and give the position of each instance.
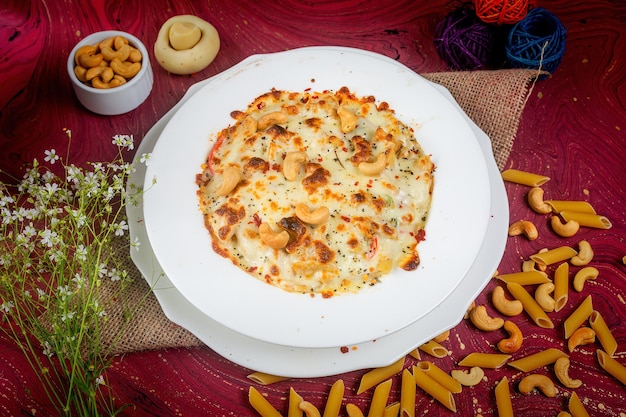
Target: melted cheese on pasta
(376, 219)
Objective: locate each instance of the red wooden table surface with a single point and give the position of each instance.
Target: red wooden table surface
(573, 130)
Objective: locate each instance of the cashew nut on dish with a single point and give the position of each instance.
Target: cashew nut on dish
(230, 178)
(535, 201)
(276, 240)
(525, 227)
(376, 167)
(561, 370)
(541, 382)
(347, 118)
(273, 118)
(468, 378)
(318, 216)
(292, 163)
(481, 319)
(186, 44)
(504, 305)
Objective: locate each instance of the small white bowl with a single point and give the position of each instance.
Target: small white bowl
(117, 100)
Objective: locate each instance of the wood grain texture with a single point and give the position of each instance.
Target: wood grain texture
(573, 129)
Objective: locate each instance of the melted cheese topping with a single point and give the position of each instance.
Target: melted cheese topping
(347, 156)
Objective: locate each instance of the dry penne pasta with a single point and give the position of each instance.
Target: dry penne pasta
(378, 375)
(407, 394)
(531, 307)
(570, 205)
(578, 316)
(295, 399)
(603, 333)
(309, 409)
(525, 277)
(537, 360)
(576, 406)
(561, 286)
(485, 360)
(612, 366)
(434, 349)
(523, 177)
(260, 404)
(503, 398)
(265, 379)
(440, 376)
(392, 410)
(334, 399)
(434, 389)
(353, 411)
(415, 353)
(552, 256)
(379, 399)
(587, 219)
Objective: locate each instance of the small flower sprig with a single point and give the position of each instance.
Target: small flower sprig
(56, 238)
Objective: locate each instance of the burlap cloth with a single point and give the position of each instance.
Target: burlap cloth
(494, 100)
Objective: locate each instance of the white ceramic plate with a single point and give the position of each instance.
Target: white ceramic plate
(455, 229)
(303, 362)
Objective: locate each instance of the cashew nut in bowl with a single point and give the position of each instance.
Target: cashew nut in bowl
(318, 216)
(525, 227)
(116, 81)
(126, 69)
(582, 336)
(469, 378)
(504, 305)
(481, 319)
(561, 369)
(514, 342)
(584, 275)
(585, 254)
(105, 73)
(276, 240)
(535, 201)
(192, 56)
(541, 382)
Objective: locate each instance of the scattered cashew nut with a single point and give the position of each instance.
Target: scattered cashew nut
(468, 378)
(230, 178)
(585, 254)
(514, 342)
(347, 118)
(525, 227)
(376, 167)
(543, 297)
(535, 201)
(275, 240)
(504, 305)
(187, 54)
(442, 337)
(481, 319)
(568, 229)
(318, 216)
(292, 163)
(541, 382)
(584, 275)
(582, 336)
(561, 369)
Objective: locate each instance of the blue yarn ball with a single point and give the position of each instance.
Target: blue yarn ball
(537, 41)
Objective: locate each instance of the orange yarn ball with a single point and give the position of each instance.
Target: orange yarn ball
(501, 12)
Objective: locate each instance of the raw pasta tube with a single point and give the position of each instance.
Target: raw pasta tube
(587, 219)
(392, 410)
(570, 205)
(434, 349)
(552, 256)
(407, 394)
(612, 366)
(524, 178)
(379, 399)
(537, 360)
(485, 360)
(604, 334)
(576, 407)
(334, 400)
(578, 316)
(531, 307)
(260, 404)
(434, 389)
(440, 376)
(265, 379)
(525, 277)
(561, 286)
(378, 375)
(503, 398)
(294, 404)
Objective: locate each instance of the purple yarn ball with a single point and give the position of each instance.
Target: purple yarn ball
(464, 41)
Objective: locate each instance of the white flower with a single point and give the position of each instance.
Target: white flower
(100, 380)
(68, 316)
(102, 270)
(135, 244)
(124, 141)
(81, 253)
(120, 228)
(51, 156)
(145, 158)
(7, 306)
(114, 275)
(49, 238)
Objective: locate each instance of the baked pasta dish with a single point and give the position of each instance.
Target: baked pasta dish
(317, 192)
